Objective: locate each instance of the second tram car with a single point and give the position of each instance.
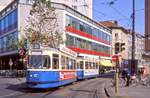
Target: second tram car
(87, 68)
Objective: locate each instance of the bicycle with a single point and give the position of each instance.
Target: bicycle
(144, 81)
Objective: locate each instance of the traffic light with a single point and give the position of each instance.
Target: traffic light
(122, 47)
(117, 45)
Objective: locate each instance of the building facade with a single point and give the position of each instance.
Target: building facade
(139, 48)
(119, 35)
(83, 6)
(122, 35)
(4, 3)
(82, 34)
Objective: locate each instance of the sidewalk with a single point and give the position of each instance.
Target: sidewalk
(12, 81)
(129, 92)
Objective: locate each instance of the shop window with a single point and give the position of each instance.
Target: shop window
(55, 61)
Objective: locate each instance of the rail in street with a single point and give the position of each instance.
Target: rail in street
(91, 88)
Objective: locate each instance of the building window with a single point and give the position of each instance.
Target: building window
(84, 44)
(74, 7)
(81, 26)
(116, 36)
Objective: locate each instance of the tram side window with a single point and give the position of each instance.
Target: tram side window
(86, 65)
(90, 65)
(75, 66)
(55, 61)
(72, 64)
(46, 61)
(81, 64)
(63, 62)
(78, 65)
(94, 65)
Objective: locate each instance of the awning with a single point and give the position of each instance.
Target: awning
(106, 63)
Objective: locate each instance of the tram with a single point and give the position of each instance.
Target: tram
(87, 68)
(49, 67)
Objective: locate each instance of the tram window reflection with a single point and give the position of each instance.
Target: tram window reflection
(86, 65)
(55, 61)
(46, 62)
(75, 66)
(94, 65)
(81, 64)
(78, 65)
(63, 62)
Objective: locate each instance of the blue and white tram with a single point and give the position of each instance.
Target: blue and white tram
(48, 68)
(87, 68)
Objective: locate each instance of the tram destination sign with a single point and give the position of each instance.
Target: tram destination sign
(68, 51)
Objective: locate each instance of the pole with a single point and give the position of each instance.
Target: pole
(116, 76)
(133, 40)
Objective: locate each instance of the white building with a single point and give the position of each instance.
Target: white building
(4, 3)
(122, 35)
(83, 35)
(83, 6)
(139, 48)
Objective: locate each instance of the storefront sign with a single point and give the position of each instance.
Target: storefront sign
(64, 75)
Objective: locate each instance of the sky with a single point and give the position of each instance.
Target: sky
(121, 11)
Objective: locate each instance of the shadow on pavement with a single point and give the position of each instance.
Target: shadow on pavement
(24, 89)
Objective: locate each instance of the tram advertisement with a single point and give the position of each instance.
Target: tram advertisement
(64, 75)
(90, 72)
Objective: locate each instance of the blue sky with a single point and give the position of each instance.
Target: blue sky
(121, 10)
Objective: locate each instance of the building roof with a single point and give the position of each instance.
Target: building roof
(114, 25)
(108, 24)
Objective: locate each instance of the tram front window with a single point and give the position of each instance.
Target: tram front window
(39, 61)
(35, 61)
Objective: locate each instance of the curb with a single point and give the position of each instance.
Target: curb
(108, 90)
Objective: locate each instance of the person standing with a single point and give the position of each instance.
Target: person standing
(128, 77)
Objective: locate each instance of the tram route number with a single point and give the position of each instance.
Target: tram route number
(64, 75)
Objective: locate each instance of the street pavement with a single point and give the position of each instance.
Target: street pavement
(140, 91)
(16, 88)
(91, 88)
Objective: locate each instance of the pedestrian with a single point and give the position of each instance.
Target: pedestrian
(127, 77)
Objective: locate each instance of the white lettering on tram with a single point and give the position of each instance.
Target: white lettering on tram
(67, 51)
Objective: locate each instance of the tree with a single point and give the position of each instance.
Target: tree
(42, 26)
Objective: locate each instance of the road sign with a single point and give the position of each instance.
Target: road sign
(10, 62)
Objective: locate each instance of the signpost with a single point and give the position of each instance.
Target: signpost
(10, 64)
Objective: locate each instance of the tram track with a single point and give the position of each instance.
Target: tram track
(91, 88)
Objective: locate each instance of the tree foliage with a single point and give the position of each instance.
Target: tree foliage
(42, 26)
